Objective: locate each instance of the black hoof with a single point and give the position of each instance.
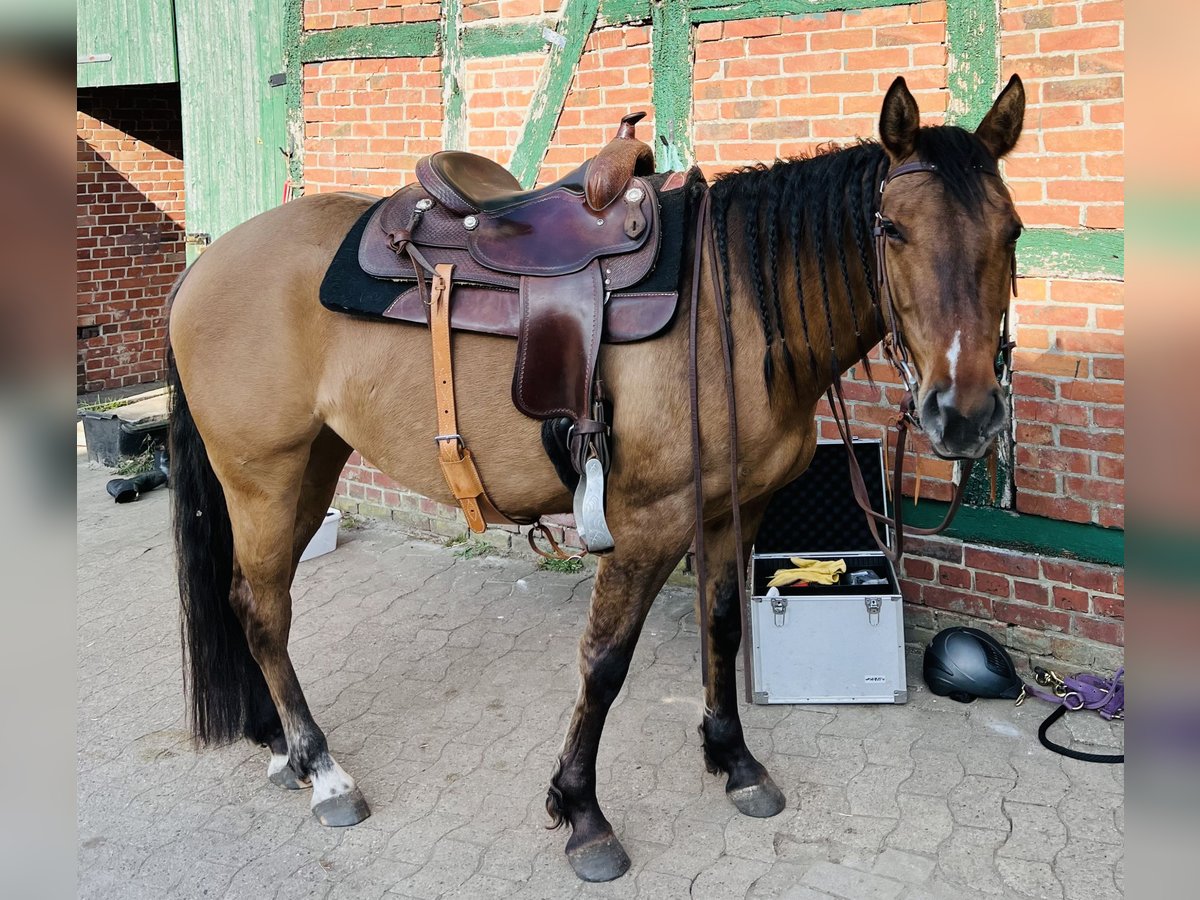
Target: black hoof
(761, 800)
(287, 778)
(342, 810)
(601, 860)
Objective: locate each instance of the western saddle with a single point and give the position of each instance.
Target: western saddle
(535, 264)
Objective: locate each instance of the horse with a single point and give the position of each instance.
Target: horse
(271, 392)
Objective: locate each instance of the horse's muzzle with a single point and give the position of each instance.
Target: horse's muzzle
(960, 431)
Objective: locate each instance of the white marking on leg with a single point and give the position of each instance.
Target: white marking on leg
(330, 782)
(952, 353)
(277, 764)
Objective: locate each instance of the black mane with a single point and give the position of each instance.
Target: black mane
(823, 203)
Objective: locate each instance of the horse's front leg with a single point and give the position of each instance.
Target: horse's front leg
(748, 785)
(626, 585)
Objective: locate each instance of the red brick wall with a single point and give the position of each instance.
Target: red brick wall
(129, 233)
(368, 121)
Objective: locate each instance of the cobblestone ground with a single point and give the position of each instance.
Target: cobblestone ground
(444, 685)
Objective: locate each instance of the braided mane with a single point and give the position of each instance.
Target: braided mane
(820, 210)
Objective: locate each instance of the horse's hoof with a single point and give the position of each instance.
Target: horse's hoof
(287, 778)
(601, 860)
(761, 800)
(342, 810)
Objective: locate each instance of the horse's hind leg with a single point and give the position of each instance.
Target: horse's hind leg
(264, 509)
(325, 461)
(624, 589)
(748, 785)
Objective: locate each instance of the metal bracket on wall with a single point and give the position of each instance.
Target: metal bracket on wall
(197, 239)
(279, 79)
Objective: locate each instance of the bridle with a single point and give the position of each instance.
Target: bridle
(896, 351)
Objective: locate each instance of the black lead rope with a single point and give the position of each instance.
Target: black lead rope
(1058, 713)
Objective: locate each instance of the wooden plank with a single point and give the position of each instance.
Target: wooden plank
(578, 18)
(672, 59)
(729, 10)
(370, 42)
(137, 35)
(234, 122)
(1089, 254)
(454, 119)
(973, 59)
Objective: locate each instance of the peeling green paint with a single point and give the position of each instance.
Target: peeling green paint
(1049, 537)
(671, 61)
(729, 10)
(1087, 254)
(623, 12)
(454, 122)
(293, 33)
(370, 41)
(578, 18)
(973, 59)
(486, 41)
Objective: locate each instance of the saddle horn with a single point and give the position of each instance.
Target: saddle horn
(620, 159)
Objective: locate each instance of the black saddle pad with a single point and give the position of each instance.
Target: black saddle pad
(346, 288)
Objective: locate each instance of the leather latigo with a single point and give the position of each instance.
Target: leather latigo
(551, 234)
(487, 310)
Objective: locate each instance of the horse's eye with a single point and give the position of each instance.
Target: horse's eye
(1016, 234)
(890, 229)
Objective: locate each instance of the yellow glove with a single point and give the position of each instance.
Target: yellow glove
(815, 571)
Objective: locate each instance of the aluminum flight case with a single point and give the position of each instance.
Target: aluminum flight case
(837, 643)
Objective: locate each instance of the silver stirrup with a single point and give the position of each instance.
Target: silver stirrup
(589, 508)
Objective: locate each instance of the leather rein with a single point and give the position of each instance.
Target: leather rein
(896, 351)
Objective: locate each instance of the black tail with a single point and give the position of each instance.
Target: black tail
(228, 696)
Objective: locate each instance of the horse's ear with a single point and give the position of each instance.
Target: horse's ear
(899, 121)
(1001, 127)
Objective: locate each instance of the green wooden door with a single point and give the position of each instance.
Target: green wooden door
(234, 121)
(124, 42)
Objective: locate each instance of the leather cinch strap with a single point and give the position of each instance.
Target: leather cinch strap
(458, 466)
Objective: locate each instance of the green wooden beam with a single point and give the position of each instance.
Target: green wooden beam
(485, 41)
(293, 34)
(1049, 537)
(576, 22)
(973, 54)
(624, 12)
(370, 42)
(672, 57)
(1089, 254)
(729, 10)
(454, 120)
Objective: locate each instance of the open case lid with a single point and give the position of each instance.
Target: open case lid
(817, 513)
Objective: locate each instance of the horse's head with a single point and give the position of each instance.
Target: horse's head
(948, 232)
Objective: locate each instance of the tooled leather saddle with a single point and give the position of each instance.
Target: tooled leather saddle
(561, 267)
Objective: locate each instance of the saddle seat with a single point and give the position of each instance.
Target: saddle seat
(467, 183)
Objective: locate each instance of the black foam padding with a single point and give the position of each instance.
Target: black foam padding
(346, 288)
(817, 513)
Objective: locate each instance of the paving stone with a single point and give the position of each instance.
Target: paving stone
(1030, 879)
(444, 686)
(1037, 834)
(925, 822)
(907, 867)
(967, 858)
(842, 881)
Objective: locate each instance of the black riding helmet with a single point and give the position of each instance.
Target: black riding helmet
(965, 663)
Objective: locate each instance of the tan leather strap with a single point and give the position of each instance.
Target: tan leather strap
(458, 465)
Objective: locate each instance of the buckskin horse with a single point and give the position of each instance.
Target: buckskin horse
(271, 391)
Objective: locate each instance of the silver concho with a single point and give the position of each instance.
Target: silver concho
(470, 223)
(424, 203)
(634, 195)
